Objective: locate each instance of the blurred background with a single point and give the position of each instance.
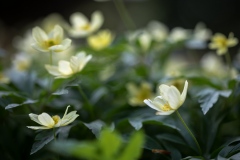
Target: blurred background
(218, 15)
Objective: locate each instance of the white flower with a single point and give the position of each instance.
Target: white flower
(67, 68)
(22, 62)
(49, 122)
(51, 42)
(158, 31)
(169, 100)
(178, 34)
(82, 27)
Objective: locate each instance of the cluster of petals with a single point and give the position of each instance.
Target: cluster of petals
(169, 100)
(66, 69)
(48, 122)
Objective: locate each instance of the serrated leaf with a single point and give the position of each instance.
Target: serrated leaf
(95, 126)
(13, 105)
(209, 96)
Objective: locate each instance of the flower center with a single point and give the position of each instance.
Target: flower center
(222, 42)
(50, 43)
(85, 27)
(166, 107)
(56, 119)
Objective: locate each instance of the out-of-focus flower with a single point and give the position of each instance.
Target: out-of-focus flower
(101, 40)
(66, 69)
(178, 34)
(169, 100)
(142, 38)
(22, 62)
(82, 27)
(23, 44)
(213, 65)
(51, 42)
(4, 78)
(175, 66)
(200, 36)
(51, 20)
(221, 43)
(139, 94)
(49, 122)
(158, 31)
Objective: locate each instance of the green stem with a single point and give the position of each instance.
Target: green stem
(55, 139)
(124, 14)
(89, 106)
(189, 131)
(50, 78)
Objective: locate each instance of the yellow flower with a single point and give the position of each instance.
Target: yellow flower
(67, 68)
(51, 42)
(137, 95)
(82, 27)
(221, 43)
(101, 40)
(169, 100)
(49, 122)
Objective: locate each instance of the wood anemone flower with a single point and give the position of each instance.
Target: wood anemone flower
(169, 100)
(49, 122)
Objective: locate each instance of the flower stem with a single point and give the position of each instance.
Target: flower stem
(189, 131)
(124, 14)
(55, 139)
(89, 106)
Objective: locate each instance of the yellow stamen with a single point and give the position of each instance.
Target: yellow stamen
(86, 26)
(56, 119)
(166, 107)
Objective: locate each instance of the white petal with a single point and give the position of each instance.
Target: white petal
(53, 70)
(173, 97)
(69, 118)
(184, 93)
(150, 104)
(39, 35)
(37, 127)
(64, 67)
(66, 43)
(78, 19)
(165, 112)
(163, 91)
(96, 20)
(39, 47)
(46, 120)
(56, 34)
(34, 117)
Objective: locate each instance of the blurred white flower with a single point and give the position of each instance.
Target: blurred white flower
(178, 34)
(82, 27)
(169, 100)
(200, 36)
(158, 31)
(49, 122)
(213, 65)
(22, 62)
(139, 93)
(141, 38)
(66, 69)
(4, 78)
(51, 42)
(101, 40)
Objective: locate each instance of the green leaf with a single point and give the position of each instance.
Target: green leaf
(209, 96)
(13, 105)
(134, 148)
(231, 149)
(42, 139)
(110, 143)
(193, 158)
(95, 126)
